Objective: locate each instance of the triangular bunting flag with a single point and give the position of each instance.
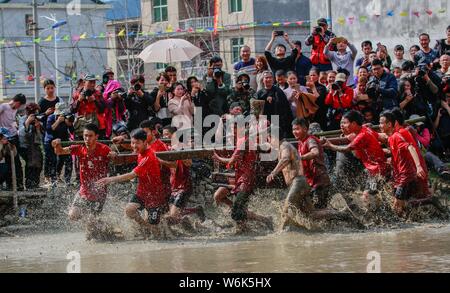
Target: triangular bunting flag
(121, 33)
(49, 38)
(83, 36)
(37, 40)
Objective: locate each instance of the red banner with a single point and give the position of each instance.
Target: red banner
(216, 15)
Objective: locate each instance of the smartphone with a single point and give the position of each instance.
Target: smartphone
(279, 33)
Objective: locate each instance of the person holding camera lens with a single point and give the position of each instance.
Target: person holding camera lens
(31, 135)
(411, 101)
(280, 61)
(382, 88)
(339, 99)
(115, 105)
(318, 39)
(89, 106)
(137, 103)
(218, 86)
(59, 126)
(159, 99)
(242, 93)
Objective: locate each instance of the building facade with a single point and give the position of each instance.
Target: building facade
(81, 48)
(126, 41)
(198, 16)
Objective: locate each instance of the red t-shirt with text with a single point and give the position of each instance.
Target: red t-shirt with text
(93, 167)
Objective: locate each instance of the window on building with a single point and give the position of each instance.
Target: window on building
(235, 5)
(236, 45)
(161, 66)
(28, 24)
(159, 10)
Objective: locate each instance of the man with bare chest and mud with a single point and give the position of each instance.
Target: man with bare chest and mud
(299, 195)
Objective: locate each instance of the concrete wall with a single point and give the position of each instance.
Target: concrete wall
(387, 30)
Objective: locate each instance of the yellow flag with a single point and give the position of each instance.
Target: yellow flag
(121, 33)
(83, 36)
(49, 38)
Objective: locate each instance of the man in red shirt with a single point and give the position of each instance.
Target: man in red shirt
(364, 143)
(156, 146)
(150, 194)
(339, 98)
(313, 161)
(94, 158)
(407, 168)
(89, 103)
(181, 183)
(402, 129)
(244, 162)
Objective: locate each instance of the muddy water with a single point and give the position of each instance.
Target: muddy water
(424, 248)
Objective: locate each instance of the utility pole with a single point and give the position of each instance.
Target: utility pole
(37, 64)
(329, 16)
(127, 42)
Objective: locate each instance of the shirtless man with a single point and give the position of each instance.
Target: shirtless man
(299, 196)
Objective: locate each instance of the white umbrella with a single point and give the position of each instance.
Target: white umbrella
(168, 51)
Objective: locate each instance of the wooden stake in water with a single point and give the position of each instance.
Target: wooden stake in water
(14, 182)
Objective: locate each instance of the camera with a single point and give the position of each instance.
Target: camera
(317, 30)
(373, 89)
(121, 92)
(88, 92)
(246, 85)
(279, 33)
(335, 86)
(217, 72)
(137, 87)
(69, 116)
(40, 117)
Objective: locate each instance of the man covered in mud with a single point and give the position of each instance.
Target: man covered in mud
(244, 162)
(313, 160)
(149, 194)
(364, 143)
(299, 195)
(408, 173)
(94, 158)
